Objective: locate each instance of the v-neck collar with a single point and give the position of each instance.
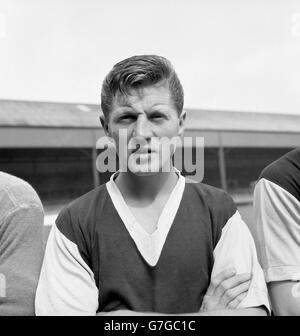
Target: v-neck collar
(149, 245)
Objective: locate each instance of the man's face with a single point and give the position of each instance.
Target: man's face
(138, 122)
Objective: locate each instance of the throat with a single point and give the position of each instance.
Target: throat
(143, 190)
(147, 206)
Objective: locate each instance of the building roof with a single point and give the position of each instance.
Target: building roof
(243, 121)
(60, 115)
(44, 114)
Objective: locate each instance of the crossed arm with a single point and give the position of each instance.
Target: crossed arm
(222, 298)
(229, 293)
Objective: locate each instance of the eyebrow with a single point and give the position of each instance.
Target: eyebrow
(123, 109)
(124, 106)
(161, 105)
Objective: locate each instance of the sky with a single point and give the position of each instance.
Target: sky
(240, 55)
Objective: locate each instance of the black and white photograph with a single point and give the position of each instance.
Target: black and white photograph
(150, 160)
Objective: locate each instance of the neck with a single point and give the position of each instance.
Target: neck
(146, 187)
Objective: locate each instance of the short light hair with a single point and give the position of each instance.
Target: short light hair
(140, 71)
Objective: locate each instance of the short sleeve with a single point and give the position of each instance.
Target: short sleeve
(236, 249)
(276, 230)
(66, 285)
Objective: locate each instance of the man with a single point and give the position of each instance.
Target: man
(21, 245)
(149, 242)
(276, 230)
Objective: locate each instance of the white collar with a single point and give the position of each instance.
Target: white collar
(149, 245)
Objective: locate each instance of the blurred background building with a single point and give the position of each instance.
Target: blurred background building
(53, 145)
(231, 56)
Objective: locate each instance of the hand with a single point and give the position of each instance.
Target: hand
(226, 291)
(120, 312)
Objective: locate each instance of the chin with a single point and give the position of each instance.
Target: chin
(144, 174)
(147, 166)
(143, 170)
(146, 170)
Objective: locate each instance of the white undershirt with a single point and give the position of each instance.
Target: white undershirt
(149, 245)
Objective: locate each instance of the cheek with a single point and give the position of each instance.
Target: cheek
(121, 138)
(170, 130)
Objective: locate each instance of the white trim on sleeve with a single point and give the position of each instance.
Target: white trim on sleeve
(236, 249)
(66, 285)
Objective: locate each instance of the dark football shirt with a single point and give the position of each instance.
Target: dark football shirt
(96, 261)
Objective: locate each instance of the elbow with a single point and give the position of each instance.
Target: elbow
(260, 311)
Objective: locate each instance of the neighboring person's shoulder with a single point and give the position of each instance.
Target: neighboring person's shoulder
(284, 173)
(17, 193)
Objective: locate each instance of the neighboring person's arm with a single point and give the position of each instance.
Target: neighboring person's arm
(21, 255)
(285, 297)
(276, 230)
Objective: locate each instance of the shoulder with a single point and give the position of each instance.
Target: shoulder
(87, 203)
(284, 173)
(77, 221)
(82, 212)
(214, 204)
(215, 198)
(16, 193)
(287, 164)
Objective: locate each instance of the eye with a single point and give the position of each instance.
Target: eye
(126, 118)
(157, 116)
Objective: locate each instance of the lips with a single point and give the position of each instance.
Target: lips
(142, 150)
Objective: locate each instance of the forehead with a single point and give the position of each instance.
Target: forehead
(158, 94)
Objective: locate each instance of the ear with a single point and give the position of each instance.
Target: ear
(104, 124)
(182, 119)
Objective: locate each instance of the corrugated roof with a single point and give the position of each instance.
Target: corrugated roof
(45, 114)
(243, 121)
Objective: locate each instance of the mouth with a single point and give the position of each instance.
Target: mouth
(141, 150)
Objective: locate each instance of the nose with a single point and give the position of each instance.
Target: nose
(143, 127)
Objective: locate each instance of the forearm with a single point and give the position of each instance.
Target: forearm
(222, 312)
(285, 298)
(236, 312)
(286, 310)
